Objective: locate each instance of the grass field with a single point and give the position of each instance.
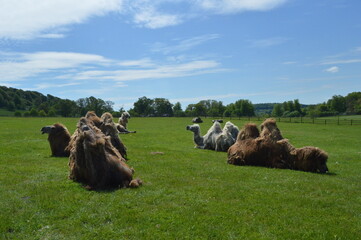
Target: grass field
(188, 193)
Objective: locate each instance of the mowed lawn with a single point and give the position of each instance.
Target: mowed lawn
(188, 193)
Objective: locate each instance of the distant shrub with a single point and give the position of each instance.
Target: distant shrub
(34, 112)
(42, 113)
(17, 114)
(51, 113)
(26, 114)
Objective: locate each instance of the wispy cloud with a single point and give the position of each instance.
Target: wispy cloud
(29, 19)
(268, 42)
(181, 45)
(18, 66)
(232, 6)
(75, 67)
(333, 69)
(149, 17)
(344, 61)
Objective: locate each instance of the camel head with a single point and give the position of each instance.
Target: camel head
(125, 115)
(53, 129)
(193, 128)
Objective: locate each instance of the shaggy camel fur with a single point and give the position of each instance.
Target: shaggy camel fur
(95, 162)
(270, 130)
(123, 120)
(216, 138)
(227, 138)
(59, 138)
(109, 128)
(250, 130)
(252, 149)
(308, 159)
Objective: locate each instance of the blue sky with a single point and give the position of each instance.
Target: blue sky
(184, 51)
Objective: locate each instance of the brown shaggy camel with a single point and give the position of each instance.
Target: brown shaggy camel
(250, 149)
(270, 130)
(308, 159)
(109, 128)
(59, 138)
(95, 162)
(257, 152)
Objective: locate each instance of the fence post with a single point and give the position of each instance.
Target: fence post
(351, 122)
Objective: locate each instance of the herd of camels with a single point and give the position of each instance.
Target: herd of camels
(98, 157)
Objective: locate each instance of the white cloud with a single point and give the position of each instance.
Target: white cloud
(333, 69)
(347, 61)
(183, 44)
(268, 42)
(27, 19)
(234, 6)
(149, 17)
(156, 72)
(18, 66)
(62, 69)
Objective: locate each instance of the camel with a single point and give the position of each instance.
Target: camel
(217, 120)
(107, 126)
(215, 138)
(263, 149)
(197, 120)
(59, 138)
(308, 159)
(123, 120)
(95, 162)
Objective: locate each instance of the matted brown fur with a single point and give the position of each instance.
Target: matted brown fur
(249, 130)
(58, 138)
(265, 151)
(93, 118)
(270, 130)
(109, 128)
(95, 162)
(258, 152)
(309, 158)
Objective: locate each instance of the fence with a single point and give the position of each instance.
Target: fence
(324, 121)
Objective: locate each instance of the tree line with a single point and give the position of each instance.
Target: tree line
(32, 103)
(161, 107)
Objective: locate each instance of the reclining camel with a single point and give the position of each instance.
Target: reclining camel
(59, 138)
(95, 162)
(269, 149)
(215, 138)
(122, 123)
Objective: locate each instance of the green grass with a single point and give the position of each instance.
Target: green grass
(188, 193)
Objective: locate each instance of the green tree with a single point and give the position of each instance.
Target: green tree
(277, 110)
(337, 104)
(143, 106)
(177, 110)
(162, 106)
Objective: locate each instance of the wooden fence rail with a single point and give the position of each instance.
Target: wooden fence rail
(324, 121)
